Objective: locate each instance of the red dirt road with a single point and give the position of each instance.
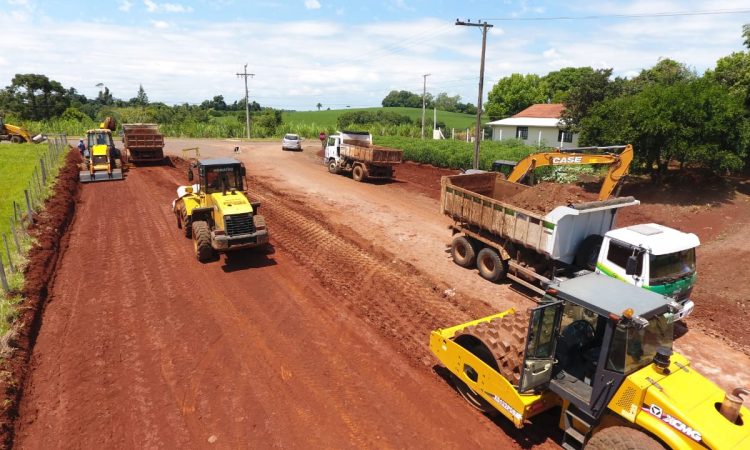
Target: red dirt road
(142, 346)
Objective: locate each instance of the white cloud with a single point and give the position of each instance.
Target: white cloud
(160, 24)
(312, 4)
(125, 6)
(150, 5)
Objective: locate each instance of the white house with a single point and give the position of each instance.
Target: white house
(536, 125)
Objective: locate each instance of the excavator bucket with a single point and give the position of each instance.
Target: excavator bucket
(85, 176)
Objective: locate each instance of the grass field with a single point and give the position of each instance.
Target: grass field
(327, 119)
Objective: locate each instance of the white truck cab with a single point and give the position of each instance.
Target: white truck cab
(654, 257)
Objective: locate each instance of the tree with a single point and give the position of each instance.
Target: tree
(513, 94)
(34, 97)
(319, 106)
(105, 96)
(559, 83)
(691, 121)
(444, 102)
(665, 72)
(405, 98)
(140, 99)
(746, 35)
(593, 87)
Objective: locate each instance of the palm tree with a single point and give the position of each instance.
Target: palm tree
(319, 106)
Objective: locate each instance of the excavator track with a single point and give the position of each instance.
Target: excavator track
(505, 338)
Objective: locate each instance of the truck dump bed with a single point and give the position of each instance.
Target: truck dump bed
(372, 154)
(483, 202)
(143, 142)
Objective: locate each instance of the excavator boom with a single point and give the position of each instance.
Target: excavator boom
(619, 163)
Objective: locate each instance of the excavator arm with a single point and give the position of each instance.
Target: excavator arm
(619, 163)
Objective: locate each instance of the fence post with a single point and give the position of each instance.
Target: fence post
(15, 236)
(7, 252)
(28, 205)
(2, 277)
(44, 171)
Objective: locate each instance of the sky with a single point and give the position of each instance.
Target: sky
(347, 53)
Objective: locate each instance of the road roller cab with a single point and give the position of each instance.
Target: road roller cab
(601, 350)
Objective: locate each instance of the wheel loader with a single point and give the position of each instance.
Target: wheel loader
(103, 160)
(216, 213)
(601, 351)
(17, 134)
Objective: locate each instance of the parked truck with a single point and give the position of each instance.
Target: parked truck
(503, 240)
(353, 151)
(143, 142)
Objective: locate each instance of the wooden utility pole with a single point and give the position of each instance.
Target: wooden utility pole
(477, 140)
(424, 95)
(245, 75)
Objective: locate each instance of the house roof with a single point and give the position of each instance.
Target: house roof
(539, 115)
(543, 110)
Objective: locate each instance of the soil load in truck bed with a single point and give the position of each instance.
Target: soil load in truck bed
(373, 154)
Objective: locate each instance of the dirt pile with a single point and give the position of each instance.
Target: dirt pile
(49, 230)
(544, 197)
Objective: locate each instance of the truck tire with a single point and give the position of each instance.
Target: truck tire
(358, 173)
(622, 438)
(491, 266)
(463, 252)
(504, 339)
(202, 241)
(588, 252)
(333, 167)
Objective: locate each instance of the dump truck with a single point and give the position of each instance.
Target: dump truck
(353, 152)
(18, 134)
(216, 213)
(103, 162)
(601, 351)
(143, 142)
(504, 240)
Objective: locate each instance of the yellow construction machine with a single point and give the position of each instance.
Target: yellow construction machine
(17, 134)
(103, 160)
(619, 163)
(601, 351)
(216, 212)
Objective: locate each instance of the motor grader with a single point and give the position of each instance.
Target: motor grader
(216, 213)
(601, 351)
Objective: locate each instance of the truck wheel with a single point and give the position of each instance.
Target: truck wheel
(202, 241)
(358, 173)
(622, 438)
(187, 226)
(333, 167)
(491, 266)
(588, 252)
(463, 252)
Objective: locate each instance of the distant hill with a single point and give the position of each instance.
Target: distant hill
(328, 118)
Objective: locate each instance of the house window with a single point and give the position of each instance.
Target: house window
(522, 133)
(564, 136)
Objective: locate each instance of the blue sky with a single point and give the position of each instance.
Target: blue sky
(343, 53)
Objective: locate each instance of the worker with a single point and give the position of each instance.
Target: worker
(81, 146)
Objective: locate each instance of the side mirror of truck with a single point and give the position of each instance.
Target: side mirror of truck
(190, 175)
(631, 265)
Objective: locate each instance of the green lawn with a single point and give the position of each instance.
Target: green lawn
(327, 119)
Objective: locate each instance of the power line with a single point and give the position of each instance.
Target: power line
(246, 75)
(624, 16)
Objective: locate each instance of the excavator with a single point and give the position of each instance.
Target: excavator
(17, 134)
(619, 163)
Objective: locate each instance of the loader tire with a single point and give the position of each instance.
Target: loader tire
(187, 227)
(202, 241)
(333, 167)
(463, 252)
(504, 339)
(491, 266)
(622, 438)
(358, 173)
(17, 139)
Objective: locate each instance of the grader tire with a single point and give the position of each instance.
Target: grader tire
(202, 241)
(505, 338)
(622, 438)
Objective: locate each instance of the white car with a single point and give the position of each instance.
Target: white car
(291, 142)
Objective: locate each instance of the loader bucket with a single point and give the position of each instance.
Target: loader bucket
(86, 176)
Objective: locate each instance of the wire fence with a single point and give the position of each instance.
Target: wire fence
(40, 186)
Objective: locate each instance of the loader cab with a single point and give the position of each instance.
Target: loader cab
(220, 175)
(589, 334)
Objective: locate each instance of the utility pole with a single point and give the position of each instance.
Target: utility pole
(424, 95)
(477, 140)
(245, 75)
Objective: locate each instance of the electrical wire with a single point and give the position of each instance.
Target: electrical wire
(623, 16)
